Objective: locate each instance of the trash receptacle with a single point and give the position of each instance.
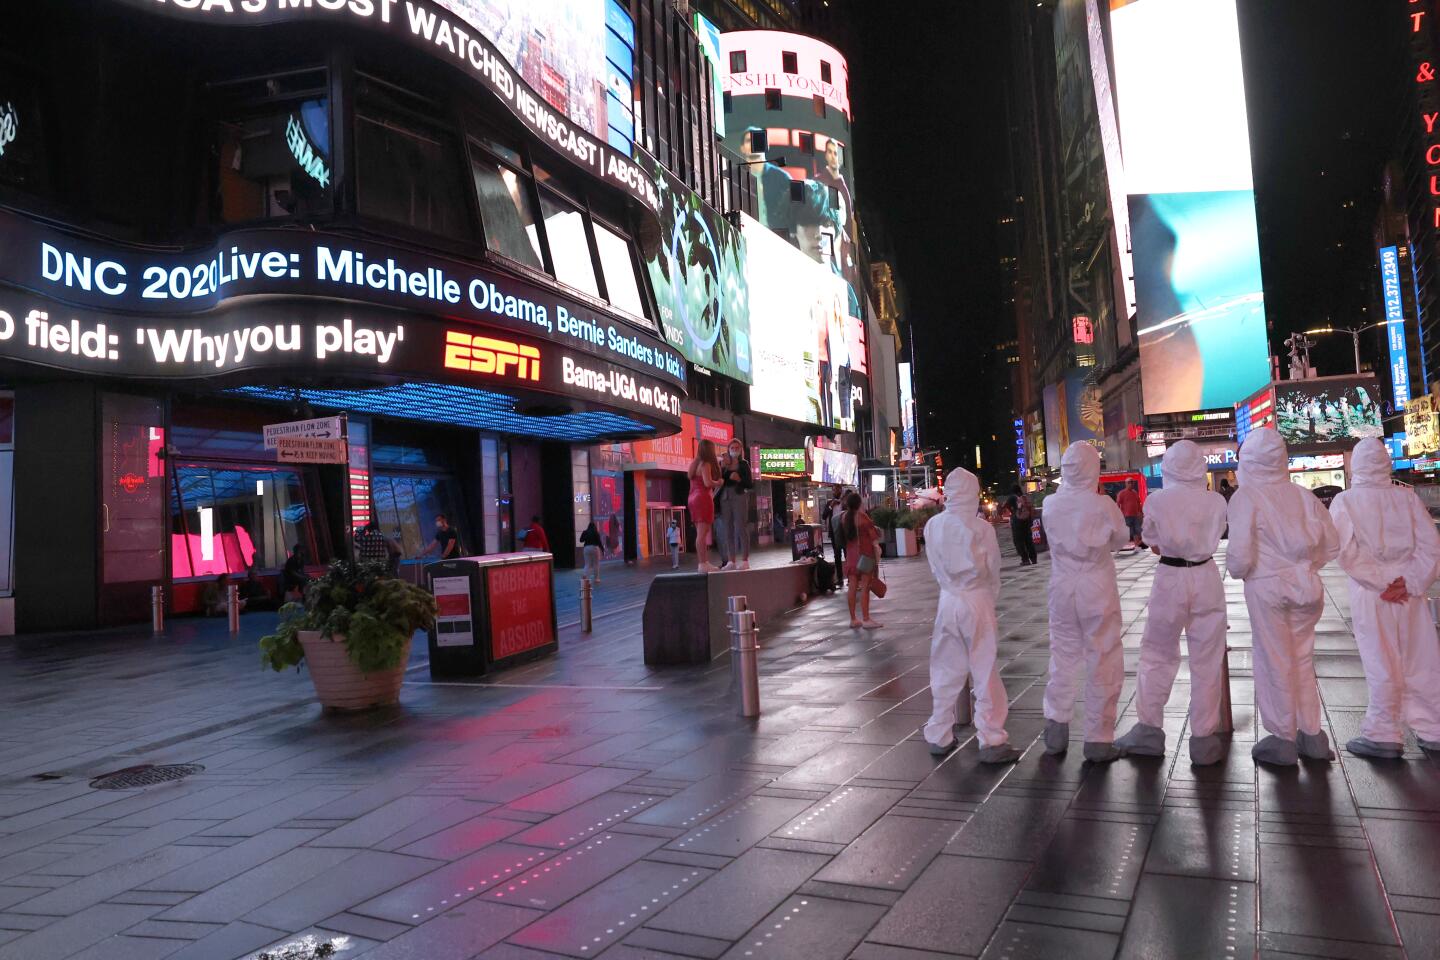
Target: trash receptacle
(491, 612)
(456, 647)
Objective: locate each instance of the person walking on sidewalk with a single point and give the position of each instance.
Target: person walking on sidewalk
(964, 557)
(1084, 528)
(1183, 524)
(672, 537)
(704, 473)
(534, 537)
(592, 547)
(1128, 500)
(1022, 515)
(734, 504)
(837, 538)
(1390, 550)
(1280, 537)
(861, 541)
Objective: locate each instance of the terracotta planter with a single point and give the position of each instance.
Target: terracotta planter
(339, 683)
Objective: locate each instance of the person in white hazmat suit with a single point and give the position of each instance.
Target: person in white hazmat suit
(964, 556)
(1391, 551)
(1280, 537)
(1183, 524)
(1084, 528)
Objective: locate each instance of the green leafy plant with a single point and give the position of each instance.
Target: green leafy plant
(375, 613)
(886, 518)
(916, 519)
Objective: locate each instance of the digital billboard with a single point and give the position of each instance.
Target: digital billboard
(797, 310)
(709, 35)
(697, 268)
(1327, 412)
(788, 117)
(1395, 326)
(560, 49)
(1199, 294)
(909, 434)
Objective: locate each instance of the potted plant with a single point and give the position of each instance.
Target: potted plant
(353, 631)
(910, 524)
(886, 519)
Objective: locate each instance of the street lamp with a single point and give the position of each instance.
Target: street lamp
(1354, 335)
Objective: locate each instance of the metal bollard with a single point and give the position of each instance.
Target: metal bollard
(1227, 717)
(586, 619)
(157, 609)
(232, 607)
(745, 655)
(965, 706)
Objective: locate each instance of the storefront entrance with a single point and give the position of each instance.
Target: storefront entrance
(658, 527)
(132, 506)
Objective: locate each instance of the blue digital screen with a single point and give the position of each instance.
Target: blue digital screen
(1395, 326)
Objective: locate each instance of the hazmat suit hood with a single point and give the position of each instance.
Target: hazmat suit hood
(1264, 459)
(1184, 466)
(1079, 469)
(1370, 464)
(962, 489)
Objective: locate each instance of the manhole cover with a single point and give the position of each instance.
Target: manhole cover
(145, 775)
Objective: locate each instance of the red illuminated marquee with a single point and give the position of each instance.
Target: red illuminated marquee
(480, 354)
(1422, 49)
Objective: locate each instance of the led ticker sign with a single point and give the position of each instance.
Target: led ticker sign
(453, 39)
(1395, 326)
(248, 263)
(481, 354)
(305, 153)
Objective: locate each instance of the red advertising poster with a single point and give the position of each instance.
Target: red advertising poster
(522, 614)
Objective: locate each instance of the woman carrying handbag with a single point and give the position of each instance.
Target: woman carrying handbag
(862, 561)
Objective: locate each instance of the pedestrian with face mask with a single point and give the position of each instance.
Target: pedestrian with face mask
(1183, 524)
(1390, 550)
(964, 557)
(1280, 537)
(1084, 528)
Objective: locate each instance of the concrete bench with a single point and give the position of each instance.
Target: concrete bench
(684, 620)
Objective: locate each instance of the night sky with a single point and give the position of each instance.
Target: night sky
(1323, 82)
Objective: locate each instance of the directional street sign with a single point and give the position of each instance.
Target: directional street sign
(321, 428)
(310, 450)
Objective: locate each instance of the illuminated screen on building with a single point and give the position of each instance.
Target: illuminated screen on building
(789, 119)
(1327, 412)
(1200, 298)
(800, 353)
(560, 49)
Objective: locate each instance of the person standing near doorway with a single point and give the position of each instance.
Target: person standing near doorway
(534, 537)
(837, 538)
(734, 503)
(446, 542)
(591, 546)
(1128, 500)
(1022, 516)
(672, 537)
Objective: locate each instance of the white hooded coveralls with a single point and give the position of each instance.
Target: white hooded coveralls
(1280, 536)
(964, 556)
(1084, 529)
(1386, 532)
(1185, 521)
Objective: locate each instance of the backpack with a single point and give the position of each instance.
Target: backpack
(1024, 509)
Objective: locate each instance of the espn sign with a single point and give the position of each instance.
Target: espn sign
(476, 353)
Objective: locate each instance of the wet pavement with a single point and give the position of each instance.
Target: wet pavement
(589, 806)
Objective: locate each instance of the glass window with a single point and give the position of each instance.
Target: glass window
(225, 519)
(737, 61)
(406, 507)
(772, 98)
(807, 143)
(407, 169)
(273, 163)
(727, 102)
(789, 62)
(824, 71)
(569, 243)
(621, 281)
(508, 213)
(819, 104)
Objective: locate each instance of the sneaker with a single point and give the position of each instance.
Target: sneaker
(742, 565)
(1098, 752)
(1000, 753)
(1057, 737)
(1314, 746)
(1365, 747)
(1276, 751)
(949, 748)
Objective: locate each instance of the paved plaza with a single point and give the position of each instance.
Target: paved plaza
(589, 806)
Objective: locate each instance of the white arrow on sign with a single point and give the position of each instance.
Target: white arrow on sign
(321, 428)
(311, 450)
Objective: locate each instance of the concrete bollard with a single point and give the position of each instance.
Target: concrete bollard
(965, 706)
(745, 655)
(157, 609)
(232, 607)
(586, 605)
(1227, 716)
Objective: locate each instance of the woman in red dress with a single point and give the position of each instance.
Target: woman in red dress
(704, 481)
(862, 558)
